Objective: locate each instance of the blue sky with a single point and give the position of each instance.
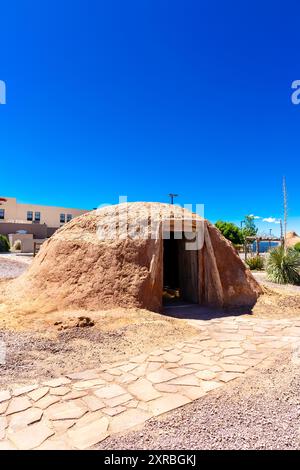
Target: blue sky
(142, 98)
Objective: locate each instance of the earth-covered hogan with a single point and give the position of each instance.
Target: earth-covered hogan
(123, 256)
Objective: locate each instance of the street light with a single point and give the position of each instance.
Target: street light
(172, 195)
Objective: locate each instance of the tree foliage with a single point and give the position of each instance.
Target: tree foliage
(4, 244)
(249, 229)
(230, 231)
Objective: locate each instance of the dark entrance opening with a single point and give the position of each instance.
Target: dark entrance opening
(180, 271)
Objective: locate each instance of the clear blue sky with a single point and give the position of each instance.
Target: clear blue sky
(144, 97)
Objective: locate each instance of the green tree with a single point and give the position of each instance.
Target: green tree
(249, 229)
(230, 231)
(4, 243)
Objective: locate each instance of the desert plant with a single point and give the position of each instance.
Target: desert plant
(17, 245)
(283, 266)
(256, 262)
(4, 244)
(297, 247)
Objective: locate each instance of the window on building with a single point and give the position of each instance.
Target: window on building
(30, 215)
(2, 213)
(37, 216)
(62, 218)
(69, 217)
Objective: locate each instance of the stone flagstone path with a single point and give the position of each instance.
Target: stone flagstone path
(80, 409)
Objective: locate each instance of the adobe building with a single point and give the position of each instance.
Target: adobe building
(35, 221)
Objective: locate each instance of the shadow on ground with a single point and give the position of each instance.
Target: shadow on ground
(200, 312)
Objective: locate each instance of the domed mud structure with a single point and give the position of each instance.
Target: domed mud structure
(125, 255)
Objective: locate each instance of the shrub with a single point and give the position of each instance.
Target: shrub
(283, 266)
(17, 245)
(4, 244)
(297, 247)
(256, 262)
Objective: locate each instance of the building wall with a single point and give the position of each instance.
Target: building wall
(37, 230)
(50, 215)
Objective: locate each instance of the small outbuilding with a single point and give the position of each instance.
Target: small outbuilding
(127, 255)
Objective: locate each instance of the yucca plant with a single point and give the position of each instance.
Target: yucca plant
(283, 266)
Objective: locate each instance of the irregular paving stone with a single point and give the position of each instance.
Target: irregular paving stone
(140, 371)
(88, 418)
(66, 410)
(114, 411)
(47, 401)
(126, 378)
(161, 375)
(227, 376)
(3, 407)
(110, 391)
(192, 358)
(141, 358)
(38, 393)
(63, 425)
(84, 375)
(55, 444)
(234, 368)
(60, 391)
(132, 404)
(232, 352)
(128, 419)
(156, 359)
(206, 374)
(7, 445)
(185, 380)
(94, 403)
(142, 389)
(18, 404)
(26, 439)
(179, 371)
(119, 400)
(127, 367)
(208, 385)
(191, 392)
(166, 387)
(85, 384)
(4, 395)
(166, 403)
(26, 389)
(24, 418)
(171, 357)
(114, 371)
(107, 377)
(3, 426)
(57, 382)
(90, 434)
(152, 366)
(75, 394)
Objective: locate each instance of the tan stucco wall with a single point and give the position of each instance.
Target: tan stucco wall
(50, 215)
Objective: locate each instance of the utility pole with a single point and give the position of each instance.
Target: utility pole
(172, 195)
(285, 207)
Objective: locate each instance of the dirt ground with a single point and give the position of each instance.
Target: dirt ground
(46, 345)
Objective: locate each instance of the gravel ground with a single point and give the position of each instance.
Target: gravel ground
(259, 411)
(261, 277)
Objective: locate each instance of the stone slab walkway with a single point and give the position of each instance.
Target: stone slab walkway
(81, 409)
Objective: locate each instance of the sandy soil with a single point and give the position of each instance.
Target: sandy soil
(258, 411)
